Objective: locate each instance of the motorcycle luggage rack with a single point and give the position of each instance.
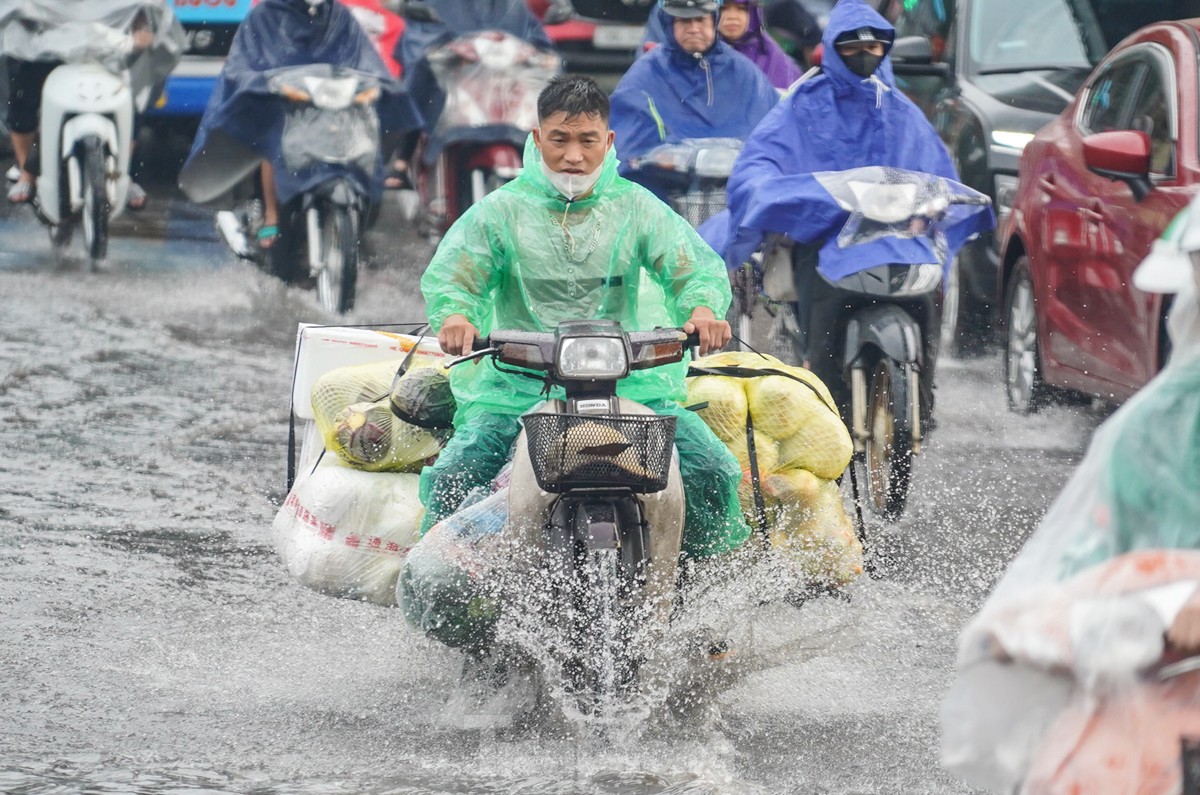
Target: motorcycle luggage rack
(631, 451)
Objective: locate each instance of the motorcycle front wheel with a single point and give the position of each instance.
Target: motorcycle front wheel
(889, 443)
(601, 666)
(93, 168)
(337, 280)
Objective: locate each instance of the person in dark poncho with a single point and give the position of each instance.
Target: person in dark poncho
(691, 86)
(242, 126)
(741, 26)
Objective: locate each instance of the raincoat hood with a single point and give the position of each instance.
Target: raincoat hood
(760, 48)
(833, 121)
(669, 95)
(244, 120)
(535, 183)
(848, 16)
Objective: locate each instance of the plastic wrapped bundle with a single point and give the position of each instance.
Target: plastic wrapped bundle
(801, 446)
(353, 411)
(447, 587)
(344, 532)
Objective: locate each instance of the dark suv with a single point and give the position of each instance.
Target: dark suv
(989, 74)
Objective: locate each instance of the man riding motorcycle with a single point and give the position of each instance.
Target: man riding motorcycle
(848, 116)
(242, 127)
(569, 239)
(694, 85)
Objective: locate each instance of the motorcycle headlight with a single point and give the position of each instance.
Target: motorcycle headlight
(332, 93)
(585, 358)
(715, 162)
(920, 279)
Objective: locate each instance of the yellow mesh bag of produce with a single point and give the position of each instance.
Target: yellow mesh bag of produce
(725, 413)
(819, 537)
(352, 412)
(797, 416)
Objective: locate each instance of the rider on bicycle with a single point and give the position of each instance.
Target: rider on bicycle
(569, 239)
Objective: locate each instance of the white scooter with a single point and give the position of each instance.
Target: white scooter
(88, 109)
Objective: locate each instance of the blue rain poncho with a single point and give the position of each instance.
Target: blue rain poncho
(243, 123)
(833, 121)
(670, 95)
(523, 258)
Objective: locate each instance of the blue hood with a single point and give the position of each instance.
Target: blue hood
(833, 121)
(670, 95)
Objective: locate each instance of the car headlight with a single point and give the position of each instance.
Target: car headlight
(1011, 140)
(592, 358)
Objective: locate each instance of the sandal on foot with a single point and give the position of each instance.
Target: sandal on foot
(267, 236)
(135, 197)
(21, 191)
(397, 179)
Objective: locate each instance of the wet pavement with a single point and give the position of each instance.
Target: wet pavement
(151, 641)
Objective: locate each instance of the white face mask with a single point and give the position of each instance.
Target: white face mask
(572, 186)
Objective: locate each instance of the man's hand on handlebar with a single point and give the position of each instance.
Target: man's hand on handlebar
(714, 334)
(457, 335)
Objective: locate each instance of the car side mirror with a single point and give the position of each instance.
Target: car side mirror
(912, 56)
(1121, 155)
(559, 12)
(418, 11)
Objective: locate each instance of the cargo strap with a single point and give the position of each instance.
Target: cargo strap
(760, 510)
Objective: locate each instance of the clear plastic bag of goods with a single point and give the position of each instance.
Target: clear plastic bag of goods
(344, 532)
(448, 586)
(352, 410)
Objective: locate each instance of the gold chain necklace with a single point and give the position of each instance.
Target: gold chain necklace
(569, 238)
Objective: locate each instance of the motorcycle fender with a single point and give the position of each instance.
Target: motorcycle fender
(494, 157)
(529, 508)
(886, 327)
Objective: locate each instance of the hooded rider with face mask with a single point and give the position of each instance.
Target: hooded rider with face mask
(848, 116)
(569, 239)
(693, 85)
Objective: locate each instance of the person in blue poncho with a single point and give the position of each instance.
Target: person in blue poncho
(242, 126)
(694, 85)
(850, 115)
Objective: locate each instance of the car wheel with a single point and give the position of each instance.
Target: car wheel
(1023, 383)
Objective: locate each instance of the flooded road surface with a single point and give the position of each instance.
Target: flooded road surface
(151, 642)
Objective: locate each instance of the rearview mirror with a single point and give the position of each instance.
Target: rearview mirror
(559, 12)
(1121, 155)
(913, 56)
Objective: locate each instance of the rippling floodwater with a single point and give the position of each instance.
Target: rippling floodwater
(151, 642)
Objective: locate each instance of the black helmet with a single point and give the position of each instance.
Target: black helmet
(689, 9)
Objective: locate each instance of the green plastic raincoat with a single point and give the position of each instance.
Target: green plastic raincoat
(522, 258)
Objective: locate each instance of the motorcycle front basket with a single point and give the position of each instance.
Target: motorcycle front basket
(631, 451)
(698, 206)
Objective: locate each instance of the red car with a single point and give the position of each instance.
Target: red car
(1097, 186)
(602, 36)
